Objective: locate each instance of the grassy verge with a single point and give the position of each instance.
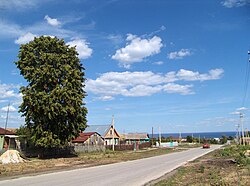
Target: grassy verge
(228, 166)
(82, 160)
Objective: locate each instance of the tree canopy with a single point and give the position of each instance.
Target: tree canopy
(52, 103)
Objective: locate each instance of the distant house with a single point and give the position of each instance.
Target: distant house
(131, 138)
(107, 132)
(247, 140)
(7, 139)
(89, 138)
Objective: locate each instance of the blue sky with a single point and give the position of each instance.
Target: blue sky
(174, 64)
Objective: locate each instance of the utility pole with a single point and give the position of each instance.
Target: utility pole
(238, 134)
(7, 117)
(159, 136)
(242, 129)
(5, 127)
(113, 133)
(180, 137)
(152, 141)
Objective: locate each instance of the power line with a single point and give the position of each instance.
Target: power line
(246, 79)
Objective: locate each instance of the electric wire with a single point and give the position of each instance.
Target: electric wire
(246, 82)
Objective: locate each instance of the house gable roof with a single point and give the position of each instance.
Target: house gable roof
(101, 129)
(3, 131)
(136, 136)
(83, 137)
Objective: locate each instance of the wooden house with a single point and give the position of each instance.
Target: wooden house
(107, 132)
(89, 138)
(131, 138)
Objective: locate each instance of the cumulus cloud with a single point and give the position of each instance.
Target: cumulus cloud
(188, 75)
(179, 89)
(180, 54)
(52, 21)
(137, 49)
(82, 48)
(25, 38)
(10, 108)
(234, 3)
(134, 84)
(9, 91)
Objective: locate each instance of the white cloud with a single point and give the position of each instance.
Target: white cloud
(188, 75)
(8, 91)
(10, 29)
(13, 30)
(134, 84)
(143, 90)
(235, 113)
(158, 63)
(239, 111)
(116, 39)
(52, 21)
(82, 48)
(106, 98)
(137, 49)
(25, 38)
(10, 108)
(18, 4)
(180, 54)
(179, 89)
(242, 109)
(235, 3)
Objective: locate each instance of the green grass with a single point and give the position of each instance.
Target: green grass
(228, 166)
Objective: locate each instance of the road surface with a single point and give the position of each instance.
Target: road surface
(131, 173)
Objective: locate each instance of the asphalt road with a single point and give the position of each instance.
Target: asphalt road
(137, 172)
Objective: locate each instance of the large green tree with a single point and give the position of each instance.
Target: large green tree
(52, 104)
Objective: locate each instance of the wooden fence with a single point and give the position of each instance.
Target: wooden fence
(135, 146)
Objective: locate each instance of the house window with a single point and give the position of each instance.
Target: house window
(110, 132)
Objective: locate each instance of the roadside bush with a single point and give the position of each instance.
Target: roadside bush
(228, 151)
(237, 153)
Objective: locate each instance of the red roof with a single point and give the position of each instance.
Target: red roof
(83, 137)
(3, 131)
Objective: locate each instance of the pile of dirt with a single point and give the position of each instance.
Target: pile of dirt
(11, 156)
(219, 162)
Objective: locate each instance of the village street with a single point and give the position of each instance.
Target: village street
(137, 172)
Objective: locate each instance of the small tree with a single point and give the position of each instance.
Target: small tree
(189, 139)
(53, 98)
(223, 140)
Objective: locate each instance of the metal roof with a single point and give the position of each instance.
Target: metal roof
(132, 136)
(101, 129)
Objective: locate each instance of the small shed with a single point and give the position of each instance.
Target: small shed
(7, 139)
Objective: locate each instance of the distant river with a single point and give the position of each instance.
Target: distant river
(197, 135)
